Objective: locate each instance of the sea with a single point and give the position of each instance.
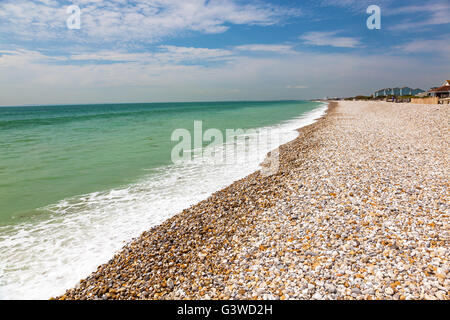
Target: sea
(78, 182)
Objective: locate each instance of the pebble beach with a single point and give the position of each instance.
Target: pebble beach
(359, 209)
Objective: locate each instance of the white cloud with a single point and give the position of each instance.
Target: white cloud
(27, 77)
(438, 13)
(298, 86)
(142, 20)
(165, 54)
(276, 48)
(175, 53)
(356, 6)
(437, 46)
(329, 38)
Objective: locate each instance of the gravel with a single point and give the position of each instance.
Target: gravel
(359, 209)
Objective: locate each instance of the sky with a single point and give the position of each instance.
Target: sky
(214, 50)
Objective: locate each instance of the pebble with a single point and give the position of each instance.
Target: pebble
(330, 288)
(389, 291)
(356, 291)
(317, 296)
(359, 209)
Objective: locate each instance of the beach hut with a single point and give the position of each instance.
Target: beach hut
(441, 92)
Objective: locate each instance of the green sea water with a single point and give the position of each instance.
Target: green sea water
(79, 182)
(49, 153)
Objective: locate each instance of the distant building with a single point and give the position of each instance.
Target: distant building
(415, 92)
(405, 91)
(422, 94)
(442, 91)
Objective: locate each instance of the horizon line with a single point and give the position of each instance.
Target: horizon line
(155, 102)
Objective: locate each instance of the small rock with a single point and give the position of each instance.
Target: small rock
(356, 291)
(389, 291)
(330, 288)
(317, 296)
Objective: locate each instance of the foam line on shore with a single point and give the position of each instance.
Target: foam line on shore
(43, 259)
(358, 210)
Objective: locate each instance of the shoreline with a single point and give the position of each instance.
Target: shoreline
(253, 240)
(330, 106)
(74, 235)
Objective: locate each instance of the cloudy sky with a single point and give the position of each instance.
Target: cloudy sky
(204, 50)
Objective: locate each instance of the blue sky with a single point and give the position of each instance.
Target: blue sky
(197, 50)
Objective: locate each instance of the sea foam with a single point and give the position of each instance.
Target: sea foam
(41, 260)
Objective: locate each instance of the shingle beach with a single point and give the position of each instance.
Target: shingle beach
(359, 209)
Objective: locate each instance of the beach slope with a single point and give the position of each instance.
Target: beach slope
(358, 210)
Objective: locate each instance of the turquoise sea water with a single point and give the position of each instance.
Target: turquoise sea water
(77, 182)
(51, 153)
